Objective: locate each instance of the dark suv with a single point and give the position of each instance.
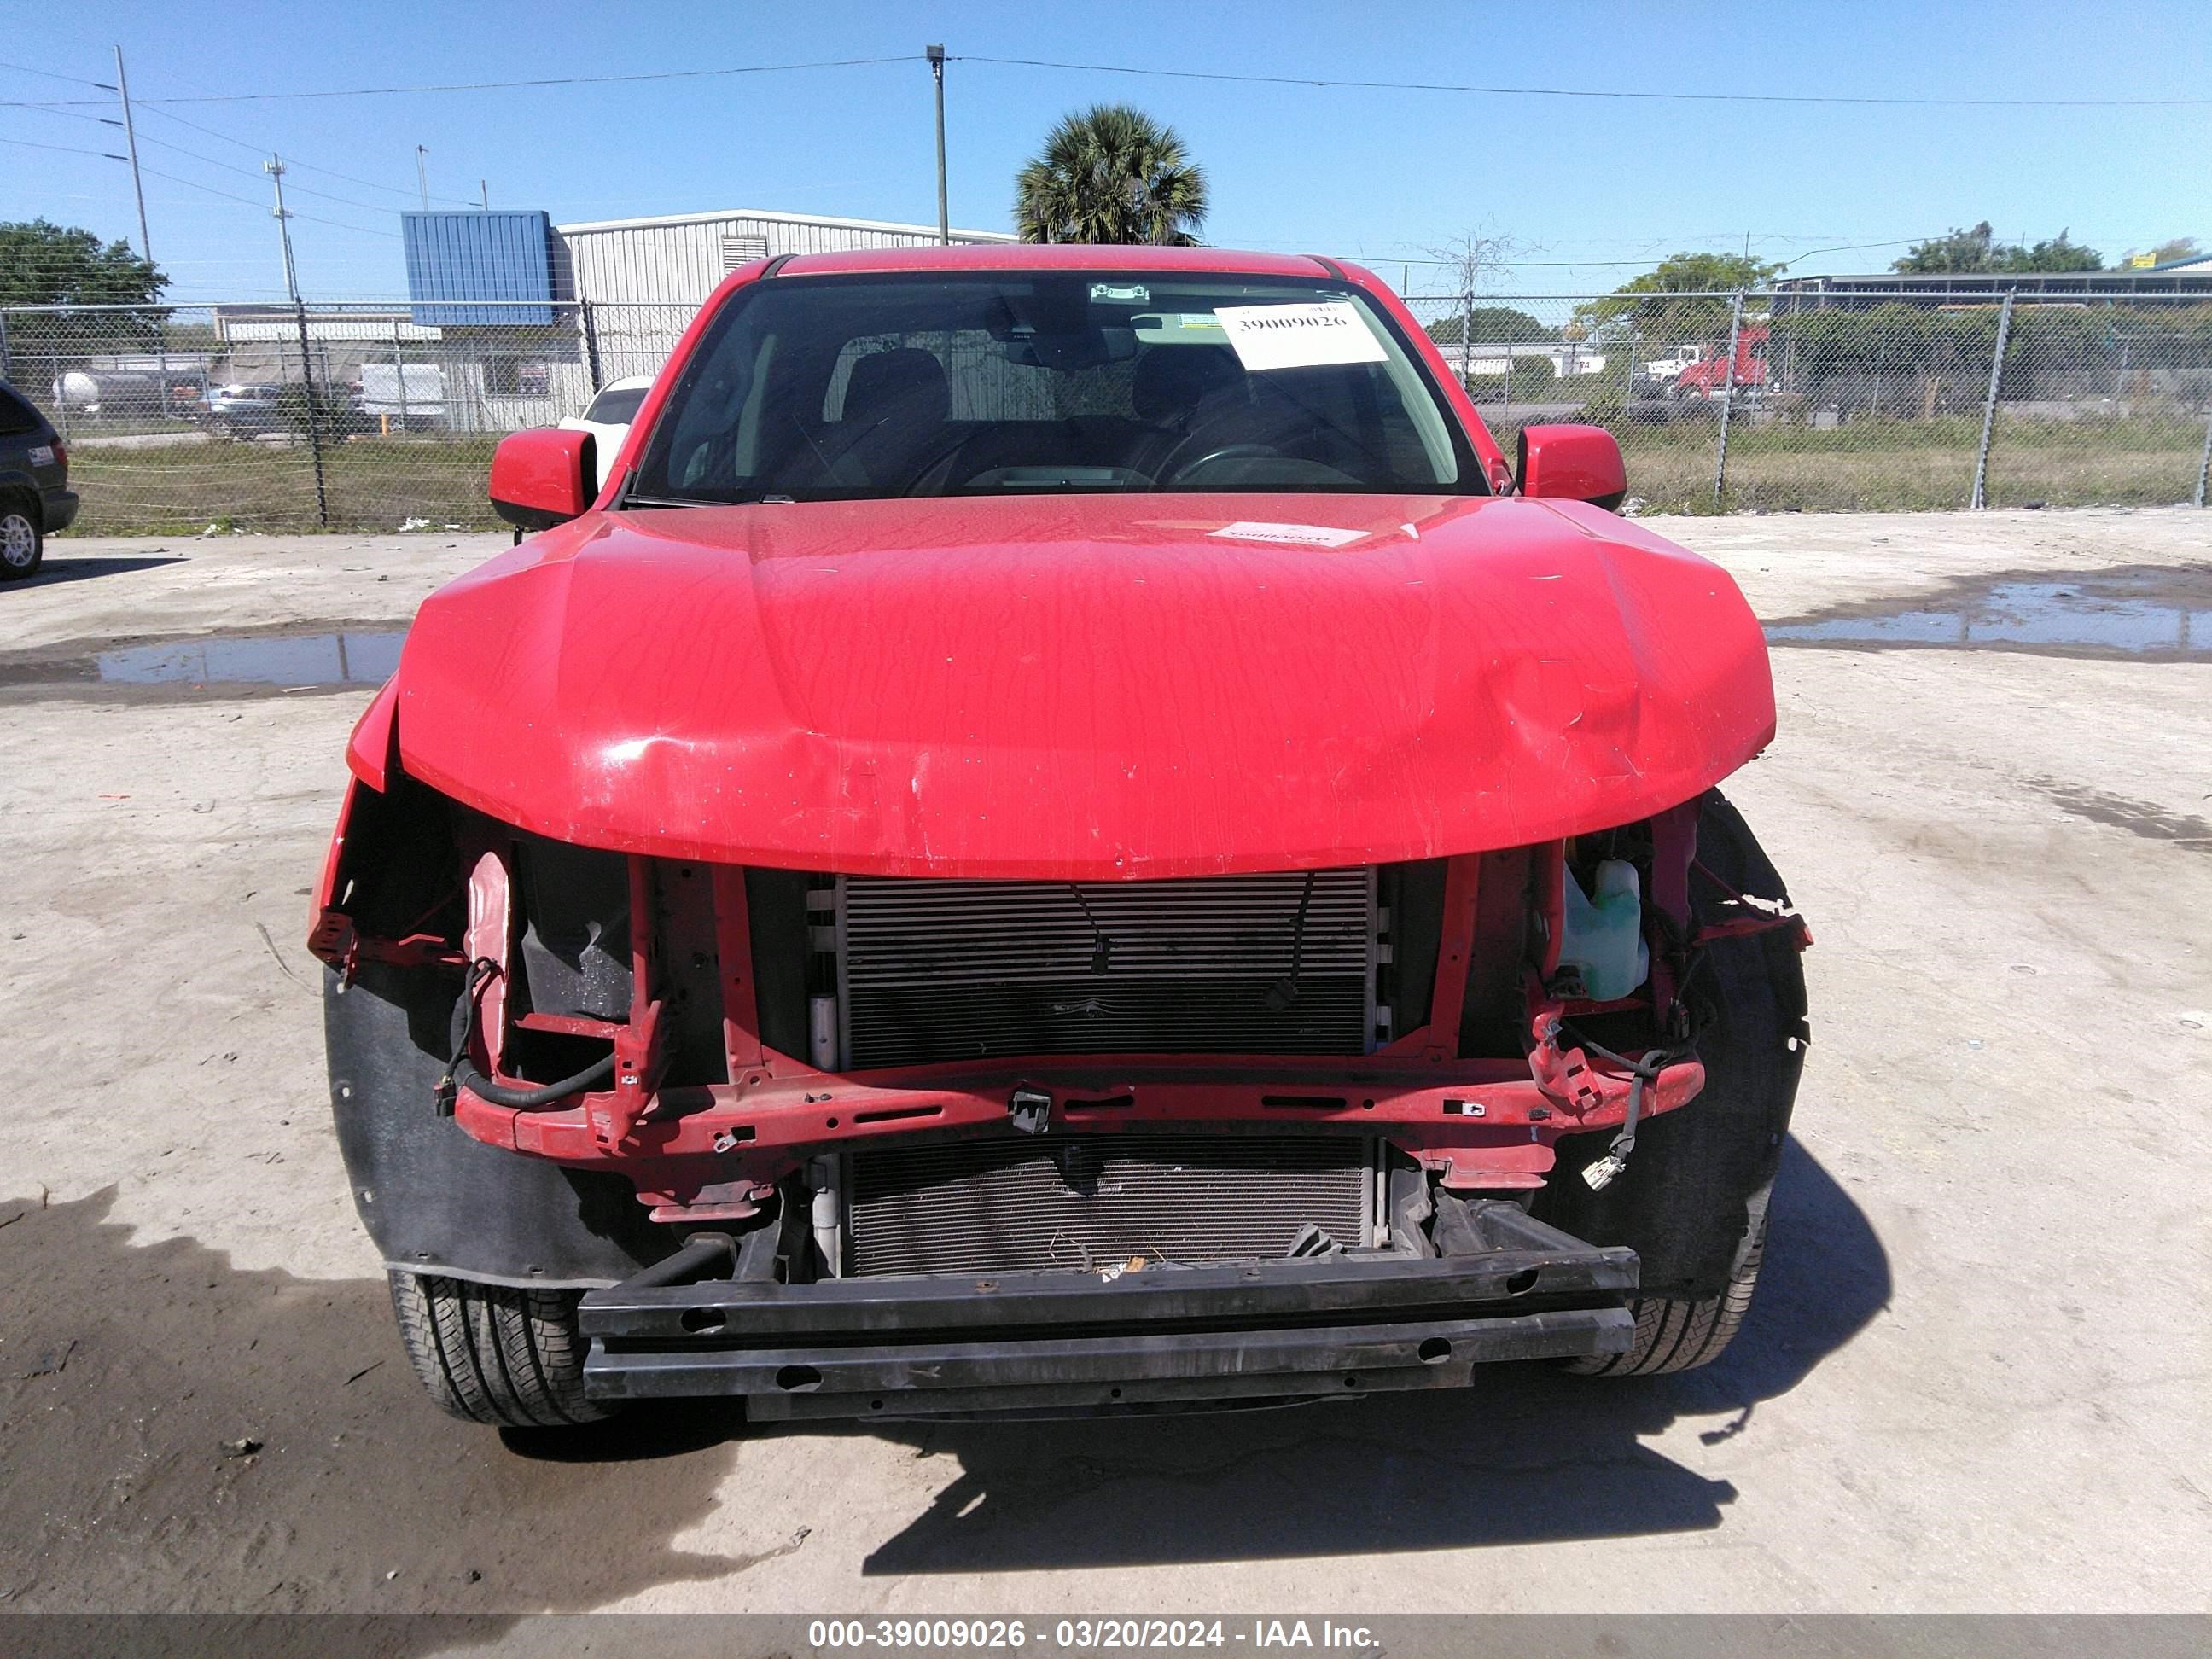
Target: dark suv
(34, 493)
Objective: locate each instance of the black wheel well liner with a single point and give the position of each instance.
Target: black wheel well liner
(1700, 1175)
(434, 1200)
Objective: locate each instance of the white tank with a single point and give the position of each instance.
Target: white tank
(107, 388)
(76, 390)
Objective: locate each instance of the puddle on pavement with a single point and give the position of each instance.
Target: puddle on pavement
(286, 661)
(366, 659)
(2158, 612)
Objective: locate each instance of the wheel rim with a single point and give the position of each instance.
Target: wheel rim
(19, 541)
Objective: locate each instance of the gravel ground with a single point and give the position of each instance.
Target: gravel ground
(1975, 1379)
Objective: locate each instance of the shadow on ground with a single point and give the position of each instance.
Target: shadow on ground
(125, 1371)
(1526, 1456)
(61, 567)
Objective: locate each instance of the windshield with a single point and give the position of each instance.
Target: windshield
(617, 408)
(843, 387)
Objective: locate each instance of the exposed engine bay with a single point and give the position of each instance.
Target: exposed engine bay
(817, 1079)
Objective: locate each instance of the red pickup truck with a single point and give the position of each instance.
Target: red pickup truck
(1064, 832)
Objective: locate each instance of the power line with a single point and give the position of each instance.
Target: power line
(1577, 92)
(193, 184)
(328, 173)
(509, 86)
(230, 166)
(1677, 243)
(74, 80)
(1857, 247)
(1644, 264)
(340, 224)
(1219, 76)
(54, 109)
(65, 149)
(142, 106)
(257, 150)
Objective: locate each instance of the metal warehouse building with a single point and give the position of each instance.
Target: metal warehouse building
(683, 257)
(457, 262)
(518, 321)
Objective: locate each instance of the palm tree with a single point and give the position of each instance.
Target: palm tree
(1110, 174)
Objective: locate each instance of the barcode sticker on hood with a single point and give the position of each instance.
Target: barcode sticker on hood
(1290, 534)
(1299, 336)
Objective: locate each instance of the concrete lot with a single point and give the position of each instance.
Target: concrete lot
(1976, 1377)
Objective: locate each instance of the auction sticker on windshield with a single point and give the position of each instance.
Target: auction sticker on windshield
(1299, 336)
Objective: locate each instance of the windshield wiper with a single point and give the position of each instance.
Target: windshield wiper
(750, 498)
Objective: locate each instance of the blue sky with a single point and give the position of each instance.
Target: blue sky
(1597, 188)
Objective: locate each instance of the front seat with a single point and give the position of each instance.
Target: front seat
(895, 406)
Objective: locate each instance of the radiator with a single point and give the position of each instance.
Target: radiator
(1087, 1201)
(1261, 964)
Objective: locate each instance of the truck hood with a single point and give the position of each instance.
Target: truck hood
(1084, 688)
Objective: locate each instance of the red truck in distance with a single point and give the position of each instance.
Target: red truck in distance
(1709, 376)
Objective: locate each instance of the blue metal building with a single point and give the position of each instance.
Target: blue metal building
(456, 261)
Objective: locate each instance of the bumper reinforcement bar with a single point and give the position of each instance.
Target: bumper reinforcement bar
(1080, 1340)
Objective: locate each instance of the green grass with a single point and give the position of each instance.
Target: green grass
(82, 431)
(2149, 460)
(378, 482)
(368, 483)
(1887, 466)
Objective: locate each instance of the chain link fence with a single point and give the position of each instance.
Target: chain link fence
(286, 418)
(1793, 401)
(367, 417)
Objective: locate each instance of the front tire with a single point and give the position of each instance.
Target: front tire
(1693, 1203)
(1674, 1334)
(22, 542)
(491, 1353)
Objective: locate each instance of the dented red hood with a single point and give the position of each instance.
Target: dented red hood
(1084, 687)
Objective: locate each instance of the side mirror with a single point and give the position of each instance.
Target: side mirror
(1573, 463)
(544, 477)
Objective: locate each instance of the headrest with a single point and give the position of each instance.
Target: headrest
(909, 383)
(1171, 380)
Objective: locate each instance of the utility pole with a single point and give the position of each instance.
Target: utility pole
(1980, 498)
(274, 166)
(1466, 341)
(936, 56)
(1728, 394)
(138, 190)
(421, 176)
(130, 143)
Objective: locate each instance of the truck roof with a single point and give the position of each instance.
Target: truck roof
(1059, 257)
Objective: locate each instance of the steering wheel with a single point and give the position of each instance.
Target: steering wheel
(1226, 453)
